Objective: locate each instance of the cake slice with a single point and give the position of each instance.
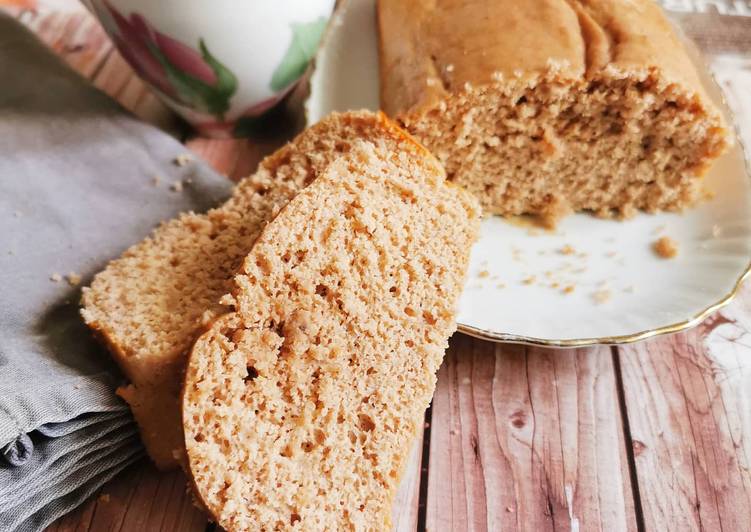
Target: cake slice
(300, 408)
(551, 106)
(149, 305)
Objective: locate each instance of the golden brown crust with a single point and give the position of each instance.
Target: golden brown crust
(459, 42)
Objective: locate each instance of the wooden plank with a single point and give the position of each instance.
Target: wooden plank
(688, 400)
(527, 439)
(139, 498)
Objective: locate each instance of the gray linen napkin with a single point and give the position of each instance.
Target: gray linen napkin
(76, 189)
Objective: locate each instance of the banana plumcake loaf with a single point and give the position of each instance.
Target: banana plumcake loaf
(551, 106)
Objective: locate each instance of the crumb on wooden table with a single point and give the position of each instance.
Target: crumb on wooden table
(665, 247)
(73, 279)
(104, 497)
(183, 159)
(56, 277)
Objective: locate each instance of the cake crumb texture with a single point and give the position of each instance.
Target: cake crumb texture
(301, 407)
(149, 305)
(552, 106)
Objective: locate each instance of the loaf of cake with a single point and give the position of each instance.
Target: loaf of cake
(300, 407)
(550, 106)
(149, 305)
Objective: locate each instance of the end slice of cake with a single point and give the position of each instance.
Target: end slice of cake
(551, 106)
(301, 407)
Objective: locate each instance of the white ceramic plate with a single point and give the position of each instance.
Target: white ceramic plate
(620, 290)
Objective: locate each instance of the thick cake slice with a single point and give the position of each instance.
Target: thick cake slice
(300, 408)
(550, 106)
(149, 305)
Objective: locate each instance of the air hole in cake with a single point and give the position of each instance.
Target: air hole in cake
(286, 451)
(365, 422)
(294, 518)
(322, 290)
(307, 446)
(409, 311)
(251, 375)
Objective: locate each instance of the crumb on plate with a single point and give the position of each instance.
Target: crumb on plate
(56, 277)
(567, 250)
(601, 296)
(665, 247)
(73, 279)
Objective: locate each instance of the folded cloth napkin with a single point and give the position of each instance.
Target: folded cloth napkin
(76, 188)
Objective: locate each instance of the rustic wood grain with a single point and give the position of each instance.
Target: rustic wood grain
(139, 498)
(527, 439)
(688, 399)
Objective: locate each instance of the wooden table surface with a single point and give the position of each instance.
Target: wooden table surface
(652, 436)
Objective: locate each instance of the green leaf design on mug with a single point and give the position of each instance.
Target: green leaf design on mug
(305, 39)
(214, 99)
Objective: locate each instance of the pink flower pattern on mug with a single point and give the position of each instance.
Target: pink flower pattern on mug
(193, 78)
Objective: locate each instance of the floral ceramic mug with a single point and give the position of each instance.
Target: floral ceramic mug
(221, 64)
